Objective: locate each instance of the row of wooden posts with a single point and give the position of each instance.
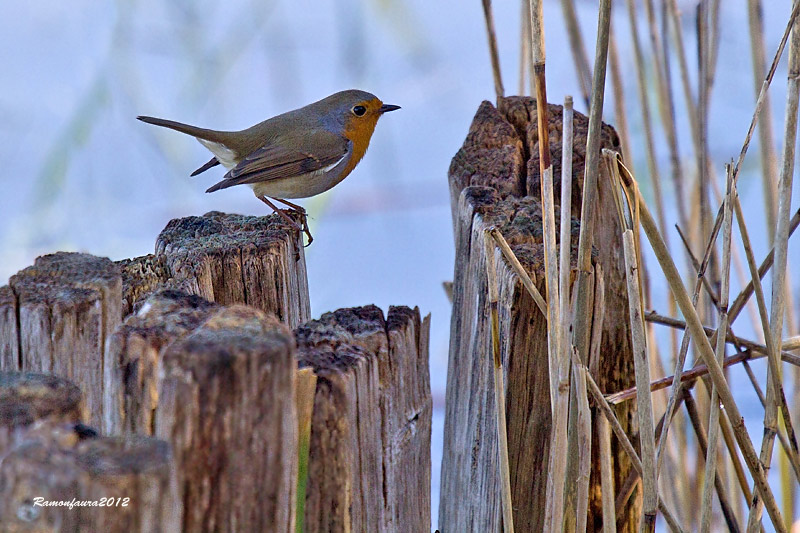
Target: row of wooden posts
(192, 381)
(185, 390)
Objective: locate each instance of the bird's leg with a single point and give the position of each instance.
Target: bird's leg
(298, 209)
(292, 223)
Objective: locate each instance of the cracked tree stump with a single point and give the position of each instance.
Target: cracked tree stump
(56, 316)
(115, 485)
(494, 181)
(31, 401)
(226, 404)
(369, 452)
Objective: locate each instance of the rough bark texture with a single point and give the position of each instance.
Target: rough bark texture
(134, 355)
(130, 475)
(369, 454)
(9, 330)
(489, 176)
(224, 258)
(226, 403)
(29, 400)
(65, 307)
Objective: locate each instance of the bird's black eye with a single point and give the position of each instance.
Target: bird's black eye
(359, 110)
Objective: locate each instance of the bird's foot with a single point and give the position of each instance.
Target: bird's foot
(293, 209)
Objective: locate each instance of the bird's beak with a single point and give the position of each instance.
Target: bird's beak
(385, 108)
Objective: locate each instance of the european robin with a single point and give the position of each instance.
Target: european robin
(298, 154)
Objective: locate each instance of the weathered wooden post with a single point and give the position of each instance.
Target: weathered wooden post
(57, 475)
(217, 383)
(32, 401)
(494, 181)
(57, 317)
(369, 452)
(58, 481)
(229, 259)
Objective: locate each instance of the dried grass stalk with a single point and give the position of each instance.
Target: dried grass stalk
(695, 328)
(494, 55)
(499, 389)
(644, 400)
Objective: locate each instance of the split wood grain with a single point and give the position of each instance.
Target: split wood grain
(494, 181)
(226, 404)
(63, 308)
(369, 453)
(228, 259)
(134, 357)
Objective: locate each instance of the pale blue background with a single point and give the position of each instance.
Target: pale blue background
(79, 173)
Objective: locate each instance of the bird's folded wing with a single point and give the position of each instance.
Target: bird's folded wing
(275, 161)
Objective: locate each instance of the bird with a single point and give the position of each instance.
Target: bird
(297, 154)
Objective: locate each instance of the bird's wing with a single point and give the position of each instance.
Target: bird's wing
(275, 161)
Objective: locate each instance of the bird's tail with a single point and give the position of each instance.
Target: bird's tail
(194, 131)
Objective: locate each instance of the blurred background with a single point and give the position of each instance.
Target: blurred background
(81, 174)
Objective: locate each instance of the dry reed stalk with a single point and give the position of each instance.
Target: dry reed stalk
(565, 250)
(759, 105)
(599, 288)
(666, 110)
(559, 382)
(618, 88)
(681, 358)
(499, 388)
(554, 353)
(697, 425)
(751, 350)
(705, 76)
(633, 476)
(540, 85)
(606, 476)
(581, 330)
(792, 343)
(779, 270)
(524, 44)
(790, 444)
(769, 167)
(556, 472)
(584, 300)
(644, 401)
(715, 370)
(526, 280)
(494, 55)
(743, 296)
(584, 428)
(711, 479)
(652, 167)
(579, 56)
(548, 220)
(622, 437)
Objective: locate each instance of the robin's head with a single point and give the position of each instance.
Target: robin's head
(353, 114)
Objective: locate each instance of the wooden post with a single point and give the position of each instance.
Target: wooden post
(63, 309)
(226, 403)
(142, 276)
(9, 330)
(134, 358)
(29, 400)
(369, 452)
(494, 181)
(112, 485)
(228, 259)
